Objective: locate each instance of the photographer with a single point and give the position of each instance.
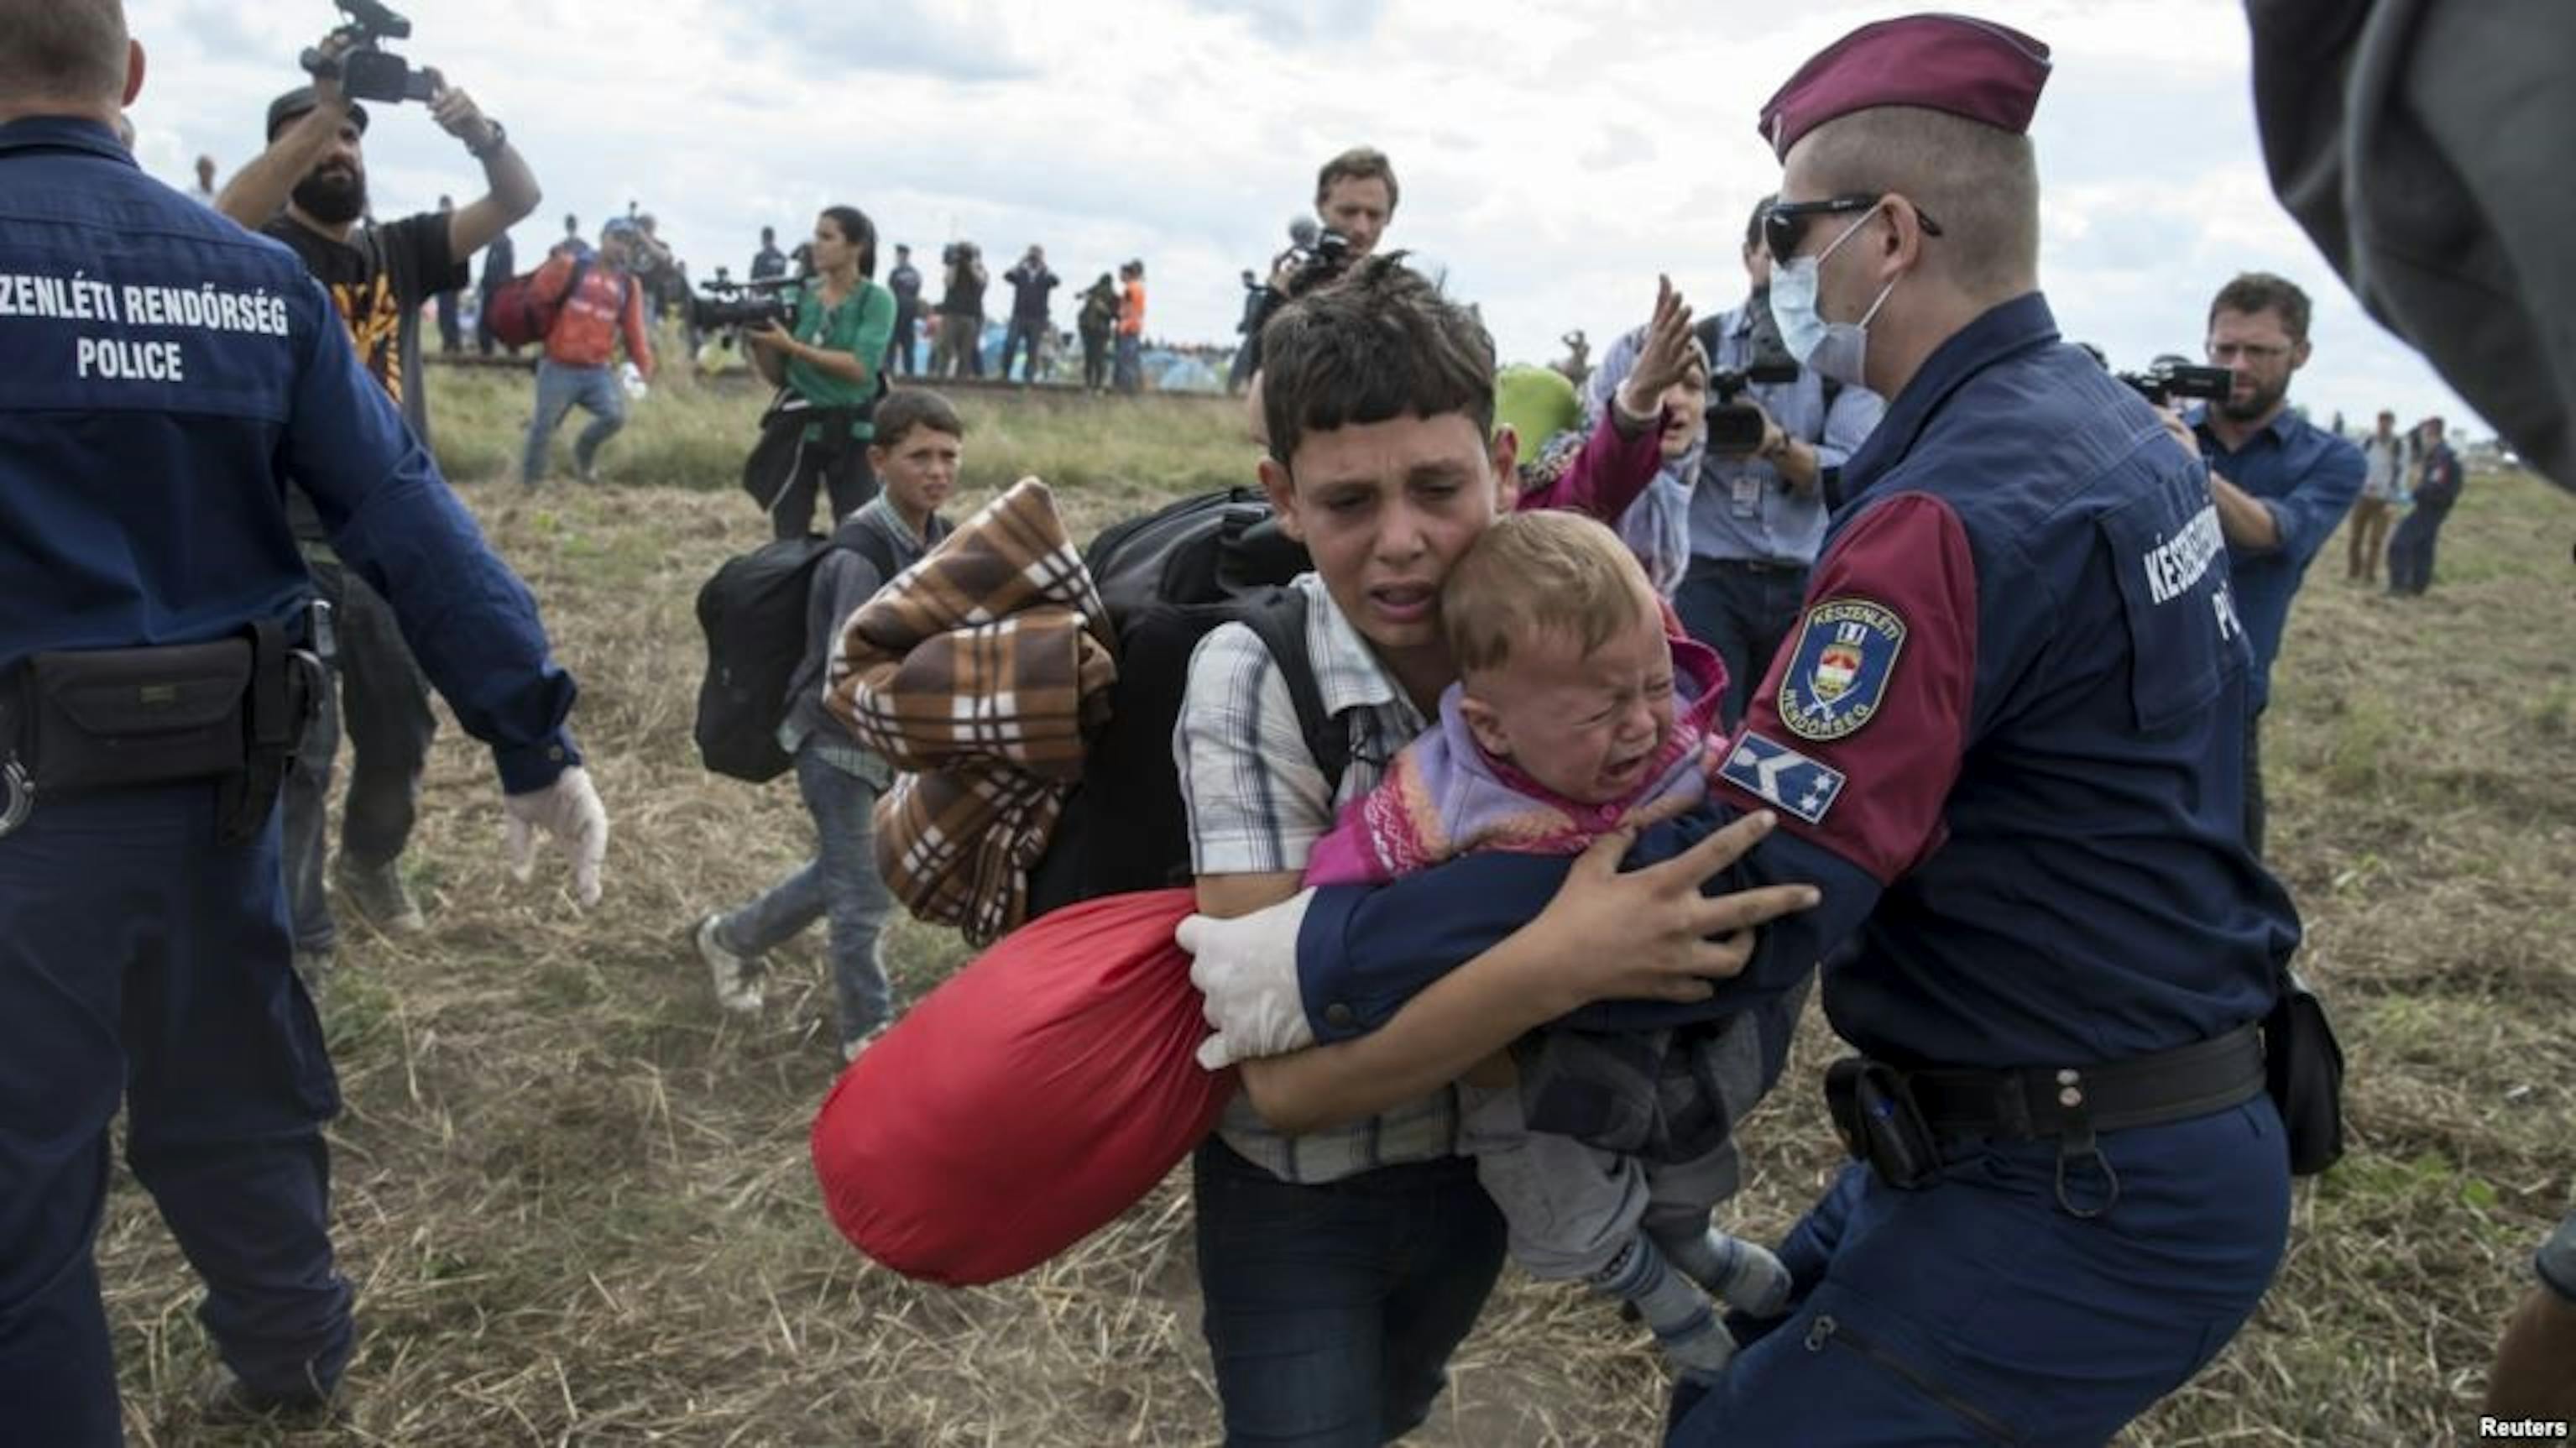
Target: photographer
(959, 349)
(828, 368)
(2280, 483)
(1758, 514)
(1031, 283)
(1355, 196)
(308, 189)
(1096, 321)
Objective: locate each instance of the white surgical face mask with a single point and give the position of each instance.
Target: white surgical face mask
(1837, 350)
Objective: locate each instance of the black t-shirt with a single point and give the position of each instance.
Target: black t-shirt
(378, 279)
(965, 297)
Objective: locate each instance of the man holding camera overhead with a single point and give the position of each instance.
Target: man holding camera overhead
(1758, 513)
(309, 190)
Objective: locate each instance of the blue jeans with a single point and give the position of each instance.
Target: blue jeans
(1744, 612)
(1331, 1310)
(840, 883)
(1978, 1309)
(1131, 363)
(558, 389)
(2410, 548)
(142, 961)
(1026, 332)
(380, 701)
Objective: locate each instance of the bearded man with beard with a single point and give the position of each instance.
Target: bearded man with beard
(309, 190)
(2281, 483)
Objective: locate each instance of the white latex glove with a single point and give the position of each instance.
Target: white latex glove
(568, 809)
(1247, 969)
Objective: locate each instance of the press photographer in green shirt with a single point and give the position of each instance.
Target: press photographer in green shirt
(827, 369)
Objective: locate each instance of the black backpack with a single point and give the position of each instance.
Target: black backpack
(753, 613)
(1167, 579)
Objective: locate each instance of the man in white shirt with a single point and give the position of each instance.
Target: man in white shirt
(2383, 456)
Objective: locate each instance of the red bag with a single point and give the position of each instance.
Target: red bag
(1039, 1093)
(517, 315)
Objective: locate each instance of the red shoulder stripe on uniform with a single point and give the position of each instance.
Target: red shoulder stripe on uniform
(1876, 685)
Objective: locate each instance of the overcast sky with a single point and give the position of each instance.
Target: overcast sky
(1553, 156)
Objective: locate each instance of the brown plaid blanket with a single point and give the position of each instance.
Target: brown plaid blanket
(979, 671)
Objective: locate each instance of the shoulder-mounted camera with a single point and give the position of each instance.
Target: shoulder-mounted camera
(2167, 378)
(732, 306)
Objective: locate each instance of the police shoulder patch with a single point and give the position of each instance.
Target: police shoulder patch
(1779, 775)
(1838, 673)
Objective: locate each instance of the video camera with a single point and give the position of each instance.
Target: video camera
(1736, 427)
(2167, 378)
(366, 72)
(1316, 255)
(731, 306)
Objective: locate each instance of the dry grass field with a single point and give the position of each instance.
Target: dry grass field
(577, 1205)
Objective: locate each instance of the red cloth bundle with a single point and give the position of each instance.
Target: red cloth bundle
(1041, 1091)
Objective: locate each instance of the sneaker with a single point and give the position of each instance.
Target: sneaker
(378, 894)
(736, 977)
(224, 1400)
(313, 967)
(587, 474)
(857, 1045)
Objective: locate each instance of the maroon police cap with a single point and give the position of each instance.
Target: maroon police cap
(1968, 67)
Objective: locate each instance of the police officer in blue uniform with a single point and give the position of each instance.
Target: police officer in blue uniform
(2007, 743)
(162, 373)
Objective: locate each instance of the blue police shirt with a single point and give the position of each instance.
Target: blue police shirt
(162, 373)
(2307, 478)
(2007, 742)
(1742, 508)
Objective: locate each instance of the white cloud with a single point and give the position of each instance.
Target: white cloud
(1554, 158)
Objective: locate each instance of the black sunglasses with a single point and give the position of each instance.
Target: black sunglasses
(1784, 224)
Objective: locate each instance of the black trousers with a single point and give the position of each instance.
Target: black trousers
(380, 704)
(816, 469)
(1095, 360)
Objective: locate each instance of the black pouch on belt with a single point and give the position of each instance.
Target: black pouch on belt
(230, 711)
(1880, 1123)
(2303, 1071)
(113, 718)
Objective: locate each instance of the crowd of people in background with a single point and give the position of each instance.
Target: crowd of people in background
(2412, 478)
(1925, 799)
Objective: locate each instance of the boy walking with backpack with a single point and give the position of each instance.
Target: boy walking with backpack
(915, 454)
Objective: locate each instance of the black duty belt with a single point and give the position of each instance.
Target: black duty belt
(2039, 1101)
(1902, 1122)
